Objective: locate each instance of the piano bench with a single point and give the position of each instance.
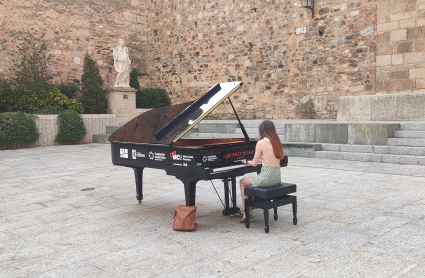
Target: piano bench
(271, 197)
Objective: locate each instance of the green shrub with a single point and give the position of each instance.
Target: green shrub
(134, 81)
(54, 109)
(17, 127)
(13, 100)
(55, 97)
(68, 89)
(93, 97)
(152, 98)
(71, 127)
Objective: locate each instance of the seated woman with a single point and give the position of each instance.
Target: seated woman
(269, 151)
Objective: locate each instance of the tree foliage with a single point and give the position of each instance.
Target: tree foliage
(93, 96)
(31, 60)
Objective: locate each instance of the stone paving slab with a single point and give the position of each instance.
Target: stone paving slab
(66, 211)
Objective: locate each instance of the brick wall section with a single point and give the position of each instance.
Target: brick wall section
(73, 27)
(48, 128)
(350, 48)
(400, 61)
(194, 44)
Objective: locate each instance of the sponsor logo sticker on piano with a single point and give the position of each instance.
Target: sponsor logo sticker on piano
(124, 153)
(157, 156)
(136, 154)
(209, 158)
(176, 156)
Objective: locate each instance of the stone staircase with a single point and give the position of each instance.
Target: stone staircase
(407, 147)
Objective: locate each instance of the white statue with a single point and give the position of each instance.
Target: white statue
(122, 64)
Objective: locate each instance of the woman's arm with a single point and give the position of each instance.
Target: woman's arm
(257, 155)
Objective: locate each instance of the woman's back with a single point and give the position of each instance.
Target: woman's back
(268, 157)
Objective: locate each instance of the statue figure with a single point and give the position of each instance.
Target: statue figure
(122, 64)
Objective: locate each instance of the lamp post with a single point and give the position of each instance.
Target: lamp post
(309, 4)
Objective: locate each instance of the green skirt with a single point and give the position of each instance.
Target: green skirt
(268, 177)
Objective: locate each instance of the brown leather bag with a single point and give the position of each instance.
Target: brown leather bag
(184, 218)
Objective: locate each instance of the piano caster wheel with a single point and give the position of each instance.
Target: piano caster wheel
(295, 221)
(266, 229)
(247, 225)
(275, 217)
(139, 201)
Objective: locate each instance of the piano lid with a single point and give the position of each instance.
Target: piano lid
(198, 110)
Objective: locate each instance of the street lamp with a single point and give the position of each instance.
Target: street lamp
(309, 4)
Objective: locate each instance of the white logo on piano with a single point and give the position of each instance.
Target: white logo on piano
(124, 153)
(176, 156)
(157, 156)
(209, 158)
(137, 154)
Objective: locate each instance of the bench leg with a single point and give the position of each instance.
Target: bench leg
(266, 220)
(246, 214)
(294, 210)
(275, 214)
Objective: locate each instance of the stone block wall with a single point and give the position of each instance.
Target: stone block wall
(350, 48)
(48, 128)
(383, 107)
(194, 44)
(73, 27)
(400, 61)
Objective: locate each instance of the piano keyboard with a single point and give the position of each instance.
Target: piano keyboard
(230, 167)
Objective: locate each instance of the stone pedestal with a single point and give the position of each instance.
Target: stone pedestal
(122, 103)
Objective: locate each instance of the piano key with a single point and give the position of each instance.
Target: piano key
(230, 167)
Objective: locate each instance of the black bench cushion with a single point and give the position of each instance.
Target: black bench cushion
(271, 192)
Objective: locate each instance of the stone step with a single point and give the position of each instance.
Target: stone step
(230, 127)
(221, 135)
(254, 130)
(336, 155)
(399, 150)
(406, 142)
(101, 138)
(409, 134)
(111, 129)
(412, 126)
(395, 150)
(371, 157)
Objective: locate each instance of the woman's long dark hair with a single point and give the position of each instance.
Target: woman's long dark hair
(268, 130)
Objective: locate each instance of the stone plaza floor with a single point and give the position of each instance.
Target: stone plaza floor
(66, 211)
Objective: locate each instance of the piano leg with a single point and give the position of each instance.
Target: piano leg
(190, 192)
(230, 210)
(138, 172)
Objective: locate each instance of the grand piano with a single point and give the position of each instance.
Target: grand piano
(155, 140)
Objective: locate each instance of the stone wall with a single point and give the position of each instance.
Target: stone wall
(73, 27)
(400, 61)
(350, 48)
(194, 44)
(48, 128)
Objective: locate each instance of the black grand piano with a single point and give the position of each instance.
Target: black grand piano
(154, 140)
